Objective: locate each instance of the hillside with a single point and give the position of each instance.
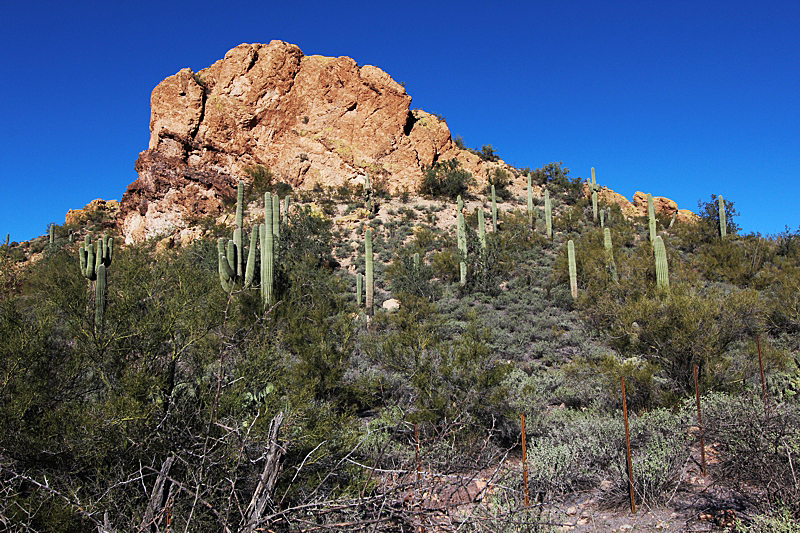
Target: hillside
(170, 380)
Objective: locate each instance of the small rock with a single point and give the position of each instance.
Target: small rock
(625, 527)
(572, 510)
(391, 304)
(582, 522)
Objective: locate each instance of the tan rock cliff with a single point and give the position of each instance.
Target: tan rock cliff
(311, 120)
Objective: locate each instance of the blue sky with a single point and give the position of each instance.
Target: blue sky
(680, 99)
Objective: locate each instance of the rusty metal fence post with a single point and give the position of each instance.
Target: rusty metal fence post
(761, 370)
(524, 460)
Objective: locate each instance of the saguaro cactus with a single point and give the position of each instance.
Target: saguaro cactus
(530, 201)
(593, 189)
(368, 194)
(573, 271)
(494, 211)
(462, 249)
(276, 217)
(237, 233)
(227, 272)
(267, 252)
(100, 296)
(651, 217)
(548, 214)
(481, 229)
(359, 284)
(609, 250)
(94, 260)
(92, 256)
(723, 224)
(231, 262)
(662, 273)
(369, 278)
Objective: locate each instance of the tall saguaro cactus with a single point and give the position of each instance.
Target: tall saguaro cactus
(276, 216)
(494, 211)
(267, 252)
(609, 251)
(370, 280)
(462, 249)
(573, 271)
(231, 262)
(100, 296)
(662, 273)
(94, 260)
(481, 230)
(723, 223)
(237, 233)
(548, 214)
(651, 217)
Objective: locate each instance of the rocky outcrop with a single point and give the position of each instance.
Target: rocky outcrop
(311, 120)
(638, 207)
(96, 209)
(661, 205)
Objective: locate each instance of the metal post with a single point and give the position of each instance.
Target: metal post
(524, 461)
(761, 369)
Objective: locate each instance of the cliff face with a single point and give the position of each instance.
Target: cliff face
(311, 120)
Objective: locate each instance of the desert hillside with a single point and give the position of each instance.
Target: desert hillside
(315, 311)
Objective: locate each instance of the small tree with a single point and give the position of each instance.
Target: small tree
(709, 217)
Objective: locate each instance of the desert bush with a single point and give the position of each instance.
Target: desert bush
(760, 447)
(406, 279)
(577, 449)
(446, 179)
(690, 326)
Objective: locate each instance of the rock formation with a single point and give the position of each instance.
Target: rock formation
(311, 120)
(98, 208)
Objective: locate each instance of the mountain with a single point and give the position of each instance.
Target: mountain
(312, 120)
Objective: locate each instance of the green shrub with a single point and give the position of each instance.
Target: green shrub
(446, 179)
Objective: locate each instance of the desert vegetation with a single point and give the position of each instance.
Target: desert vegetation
(249, 385)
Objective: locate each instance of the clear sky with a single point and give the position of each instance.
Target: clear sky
(677, 98)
